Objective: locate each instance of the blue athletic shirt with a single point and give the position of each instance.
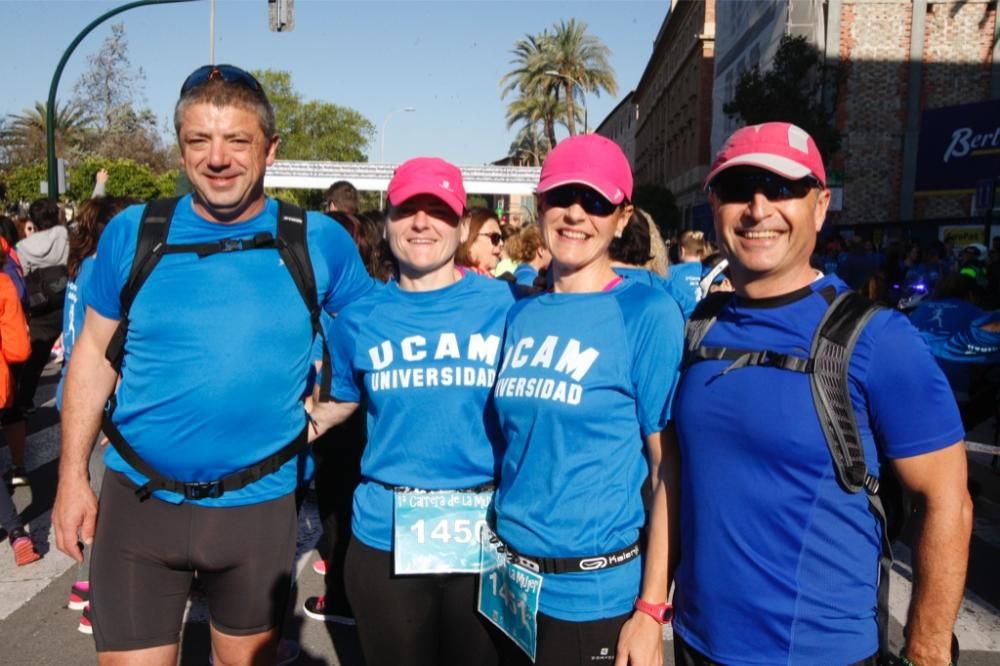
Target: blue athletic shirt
(218, 349)
(426, 362)
(74, 308)
(939, 319)
(779, 565)
(525, 275)
(684, 280)
(585, 378)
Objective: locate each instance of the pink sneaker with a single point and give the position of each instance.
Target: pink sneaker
(23, 546)
(85, 626)
(79, 595)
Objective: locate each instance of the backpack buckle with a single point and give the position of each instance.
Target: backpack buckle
(231, 244)
(207, 490)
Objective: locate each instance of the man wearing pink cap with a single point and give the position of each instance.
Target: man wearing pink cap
(780, 564)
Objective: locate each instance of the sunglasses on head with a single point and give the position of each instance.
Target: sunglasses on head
(227, 73)
(740, 186)
(592, 202)
(495, 238)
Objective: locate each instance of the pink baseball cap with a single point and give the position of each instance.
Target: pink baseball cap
(592, 160)
(781, 148)
(428, 175)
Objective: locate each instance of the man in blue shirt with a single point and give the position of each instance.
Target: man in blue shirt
(779, 564)
(215, 363)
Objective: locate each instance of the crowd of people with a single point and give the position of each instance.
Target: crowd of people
(530, 443)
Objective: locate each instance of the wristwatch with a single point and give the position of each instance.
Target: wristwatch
(662, 613)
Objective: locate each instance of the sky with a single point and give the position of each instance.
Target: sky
(444, 59)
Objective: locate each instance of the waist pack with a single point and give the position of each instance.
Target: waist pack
(827, 367)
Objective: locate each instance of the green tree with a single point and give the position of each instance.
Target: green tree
(110, 91)
(23, 183)
(534, 103)
(582, 58)
(126, 178)
(551, 70)
(661, 205)
(314, 130)
(23, 139)
(798, 87)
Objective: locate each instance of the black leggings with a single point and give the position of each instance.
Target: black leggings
(338, 472)
(416, 620)
(563, 643)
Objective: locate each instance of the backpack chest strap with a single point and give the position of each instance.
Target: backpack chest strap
(742, 358)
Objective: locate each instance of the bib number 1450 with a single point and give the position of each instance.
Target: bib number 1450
(437, 531)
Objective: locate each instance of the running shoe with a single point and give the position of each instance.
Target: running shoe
(319, 566)
(319, 609)
(79, 595)
(18, 477)
(24, 547)
(85, 626)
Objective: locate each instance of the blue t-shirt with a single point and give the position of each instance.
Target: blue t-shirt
(525, 275)
(973, 344)
(218, 348)
(779, 565)
(585, 378)
(74, 308)
(937, 321)
(426, 362)
(684, 281)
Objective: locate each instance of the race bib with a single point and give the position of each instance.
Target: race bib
(508, 594)
(437, 531)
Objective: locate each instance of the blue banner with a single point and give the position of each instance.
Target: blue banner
(959, 146)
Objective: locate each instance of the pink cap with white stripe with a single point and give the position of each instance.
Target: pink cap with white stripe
(781, 148)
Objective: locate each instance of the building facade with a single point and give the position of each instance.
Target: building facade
(619, 126)
(673, 103)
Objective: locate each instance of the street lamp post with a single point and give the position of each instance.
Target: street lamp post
(50, 112)
(381, 146)
(583, 93)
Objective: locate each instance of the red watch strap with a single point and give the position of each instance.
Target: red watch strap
(662, 613)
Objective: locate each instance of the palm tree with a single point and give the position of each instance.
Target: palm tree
(534, 109)
(580, 60)
(535, 101)
(24, 133)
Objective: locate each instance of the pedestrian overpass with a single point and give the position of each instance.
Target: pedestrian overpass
(305, 175)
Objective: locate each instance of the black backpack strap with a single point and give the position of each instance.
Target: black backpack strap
(696, 328)
(294, 250)
(153, 229)
(832, 346)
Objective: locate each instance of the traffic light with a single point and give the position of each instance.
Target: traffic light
(281, 15)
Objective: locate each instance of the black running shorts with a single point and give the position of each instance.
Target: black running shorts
(146, 555)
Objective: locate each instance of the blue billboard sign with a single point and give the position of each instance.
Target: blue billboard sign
(959, 146)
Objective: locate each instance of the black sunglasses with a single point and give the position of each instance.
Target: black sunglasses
(227, 73)
(592, 202)
(495, 238)
(739, 187)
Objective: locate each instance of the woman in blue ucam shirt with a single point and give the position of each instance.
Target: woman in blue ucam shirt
(583, 396)
(423, 351)
(90, 221)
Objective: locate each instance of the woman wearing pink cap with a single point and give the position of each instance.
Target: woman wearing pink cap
(422, 354)
(583, 397)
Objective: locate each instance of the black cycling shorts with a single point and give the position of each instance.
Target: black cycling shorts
(147, 553)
